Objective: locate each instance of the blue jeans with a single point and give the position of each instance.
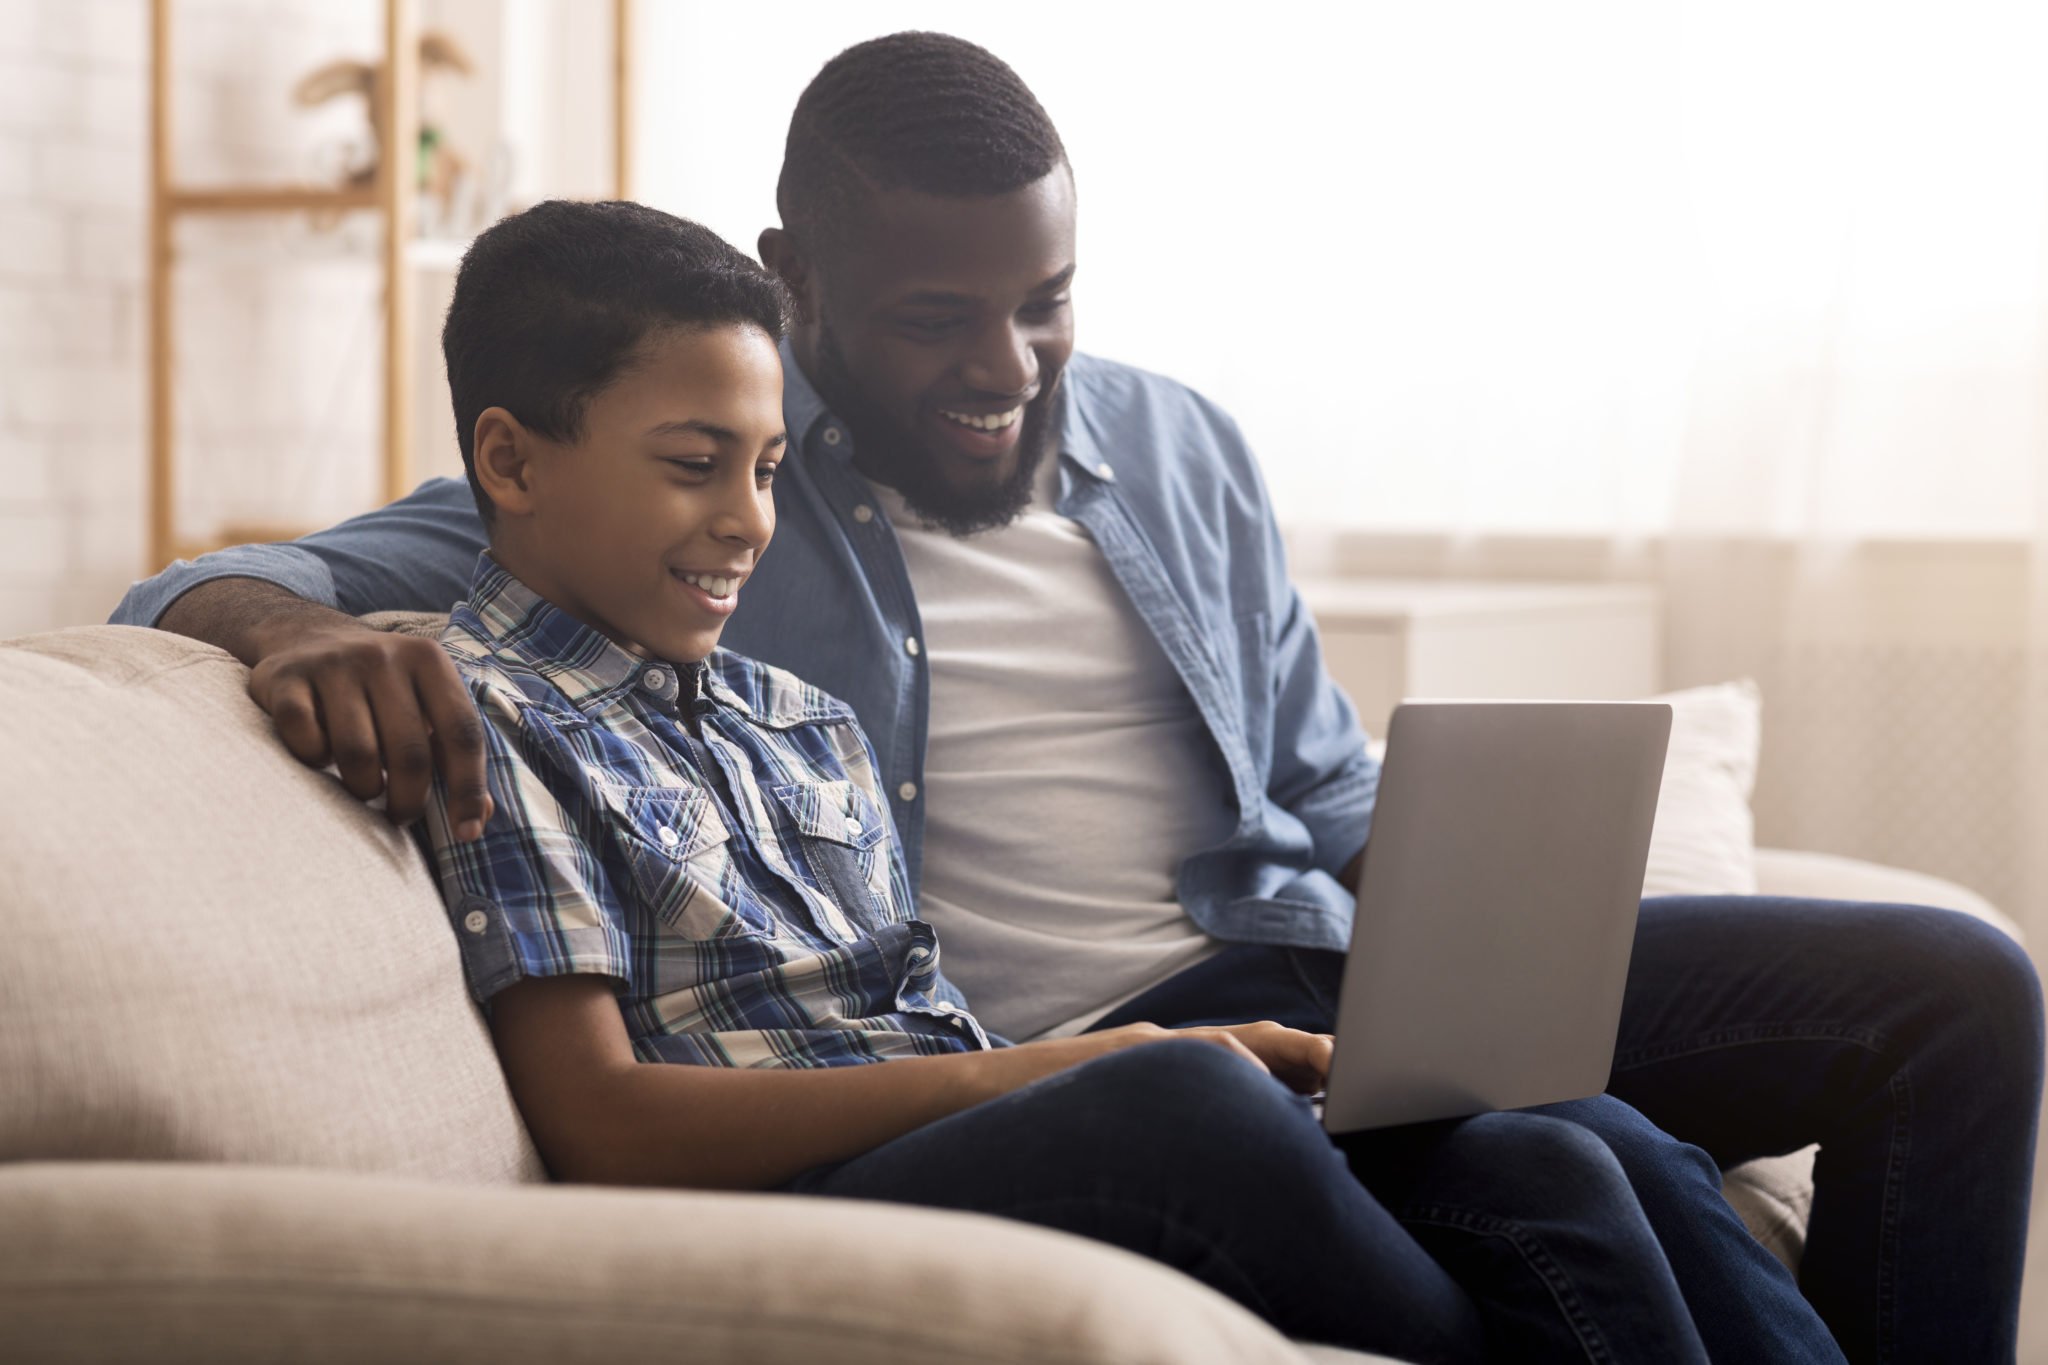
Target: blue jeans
(1906, 1041)
(1520, 1239)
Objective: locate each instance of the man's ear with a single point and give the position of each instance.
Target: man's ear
(502, 451)
(780, 254)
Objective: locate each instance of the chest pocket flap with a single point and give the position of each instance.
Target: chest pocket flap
(837, 812)
(673, 823)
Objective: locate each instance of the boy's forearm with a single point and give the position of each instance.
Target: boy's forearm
(600, 1116)
(247, 616)
(710, 1128)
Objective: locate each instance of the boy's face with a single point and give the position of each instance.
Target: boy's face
(647, 526)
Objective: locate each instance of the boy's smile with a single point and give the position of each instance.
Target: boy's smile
(647, 526)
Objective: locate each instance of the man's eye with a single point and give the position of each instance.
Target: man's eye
(1046, 308)
(930, 327)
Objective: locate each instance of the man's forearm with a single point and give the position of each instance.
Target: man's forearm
(244, 615)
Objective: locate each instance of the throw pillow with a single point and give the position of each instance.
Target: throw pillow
(1704, 841)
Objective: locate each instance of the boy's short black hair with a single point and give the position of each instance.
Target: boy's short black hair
(551, 306)
(918, 111)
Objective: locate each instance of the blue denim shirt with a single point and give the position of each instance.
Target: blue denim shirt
(1161, 479)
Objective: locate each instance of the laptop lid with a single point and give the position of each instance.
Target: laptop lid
(1496, 909)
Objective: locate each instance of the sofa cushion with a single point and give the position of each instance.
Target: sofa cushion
(213, 952)
(119, 1262)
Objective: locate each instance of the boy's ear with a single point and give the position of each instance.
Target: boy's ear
(780, 254)
(502, 450)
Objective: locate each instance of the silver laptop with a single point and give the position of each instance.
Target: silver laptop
(1497, 908)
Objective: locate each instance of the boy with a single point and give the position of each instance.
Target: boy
(685, 858)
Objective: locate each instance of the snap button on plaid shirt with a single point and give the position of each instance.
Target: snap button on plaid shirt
(743, 886)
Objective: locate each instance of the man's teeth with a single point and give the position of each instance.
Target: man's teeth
(994, 422)
(717, 585)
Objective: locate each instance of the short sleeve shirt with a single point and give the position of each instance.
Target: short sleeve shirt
(738, 880)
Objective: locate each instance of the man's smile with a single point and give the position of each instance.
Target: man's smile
(994, 421)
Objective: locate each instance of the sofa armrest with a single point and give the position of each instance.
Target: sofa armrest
(1828, 876)
(128, 1261)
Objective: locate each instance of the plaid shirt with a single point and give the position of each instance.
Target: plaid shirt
(742, 885)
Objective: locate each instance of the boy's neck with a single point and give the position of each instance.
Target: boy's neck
(534, 573)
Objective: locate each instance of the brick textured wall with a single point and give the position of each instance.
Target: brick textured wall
(277, 327)
(72, 198)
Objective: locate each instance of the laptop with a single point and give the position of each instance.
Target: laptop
(1496, 909)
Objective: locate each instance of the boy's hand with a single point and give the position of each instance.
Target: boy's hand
(387, 710)
(1300, 1060)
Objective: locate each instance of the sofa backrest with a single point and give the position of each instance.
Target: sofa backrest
(210, 952)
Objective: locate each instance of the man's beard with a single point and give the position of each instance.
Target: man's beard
(889, 453)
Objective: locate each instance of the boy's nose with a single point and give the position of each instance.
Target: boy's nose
(748, 516)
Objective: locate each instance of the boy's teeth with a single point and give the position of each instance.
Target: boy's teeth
(994, 422)
(716, 585)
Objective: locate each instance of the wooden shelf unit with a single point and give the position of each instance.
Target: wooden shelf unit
(394, 197)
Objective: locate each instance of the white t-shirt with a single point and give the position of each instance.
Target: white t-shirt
(1067, 773)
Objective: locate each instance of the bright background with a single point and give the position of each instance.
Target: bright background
(1570, 267)
(1743, 301)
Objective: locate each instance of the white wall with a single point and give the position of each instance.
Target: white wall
(279, 330)
(277, 397)
(71, 308)
(1485, 265)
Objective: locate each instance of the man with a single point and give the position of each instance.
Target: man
(1052, 591)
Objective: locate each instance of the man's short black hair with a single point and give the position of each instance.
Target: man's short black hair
(552, 305)
(918, 111)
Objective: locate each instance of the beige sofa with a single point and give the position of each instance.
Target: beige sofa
(251, 1115)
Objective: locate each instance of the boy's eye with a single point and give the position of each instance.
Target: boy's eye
(694, 464)
(765, 474)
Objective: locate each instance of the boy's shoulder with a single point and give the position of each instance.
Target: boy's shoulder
(771, 696)
(502, 677)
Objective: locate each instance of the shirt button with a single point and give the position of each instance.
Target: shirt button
(476, 921)
(863, 514)
(853, 829)
(654, 680)
(669, 838)
(910, 646)
(1106, 472)
(908, 791)
(831, 436)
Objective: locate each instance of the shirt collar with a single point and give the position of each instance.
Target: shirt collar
(589, 669)
(802, 409)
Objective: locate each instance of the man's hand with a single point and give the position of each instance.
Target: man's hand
(387, 710)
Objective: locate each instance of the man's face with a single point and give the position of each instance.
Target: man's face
(939, 330)
(646, 527)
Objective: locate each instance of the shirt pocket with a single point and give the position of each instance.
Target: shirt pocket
(676, 851)
(841, 840)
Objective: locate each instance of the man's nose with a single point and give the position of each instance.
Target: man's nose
(1002, 361)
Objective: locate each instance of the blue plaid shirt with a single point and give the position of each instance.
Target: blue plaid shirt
(742, 884)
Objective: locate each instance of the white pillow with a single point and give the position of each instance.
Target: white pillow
(1704, 841)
